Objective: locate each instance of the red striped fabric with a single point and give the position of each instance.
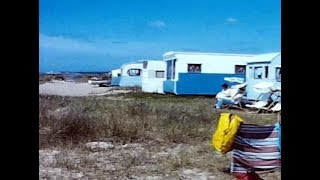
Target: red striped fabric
(255, 149)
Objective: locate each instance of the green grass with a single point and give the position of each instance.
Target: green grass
(144, 116)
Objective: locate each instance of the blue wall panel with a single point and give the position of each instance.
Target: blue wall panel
(202, 83)
(168, 86)
(130, 81)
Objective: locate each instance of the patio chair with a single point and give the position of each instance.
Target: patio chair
(265, 102)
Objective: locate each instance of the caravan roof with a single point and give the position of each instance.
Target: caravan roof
(204, 53)
(131, 63)
(263, 57)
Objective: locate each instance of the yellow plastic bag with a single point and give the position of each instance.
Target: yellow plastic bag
(226, 131)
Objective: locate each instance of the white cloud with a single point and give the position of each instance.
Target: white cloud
(157, 24)
(65, 44)
(231, 20)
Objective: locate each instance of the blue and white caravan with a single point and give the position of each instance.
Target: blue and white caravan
(264, 69)
(115, 77)
(153, 75)
(131, 74)
(193, 73)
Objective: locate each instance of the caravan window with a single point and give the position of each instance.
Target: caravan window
(194, 68)
(134, 72)
(240, 69)
(278, 74)
(258, 72)
(159, 74)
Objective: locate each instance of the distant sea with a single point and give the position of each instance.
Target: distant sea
(73, 76)
(75, 73)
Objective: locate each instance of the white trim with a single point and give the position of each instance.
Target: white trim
(206, 53)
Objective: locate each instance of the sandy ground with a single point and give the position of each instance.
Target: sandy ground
(140, 161)
(103, 160)
(64, 88)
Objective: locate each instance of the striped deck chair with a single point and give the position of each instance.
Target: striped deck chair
(256, 149)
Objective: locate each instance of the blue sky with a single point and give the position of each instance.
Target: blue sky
(100, 35)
